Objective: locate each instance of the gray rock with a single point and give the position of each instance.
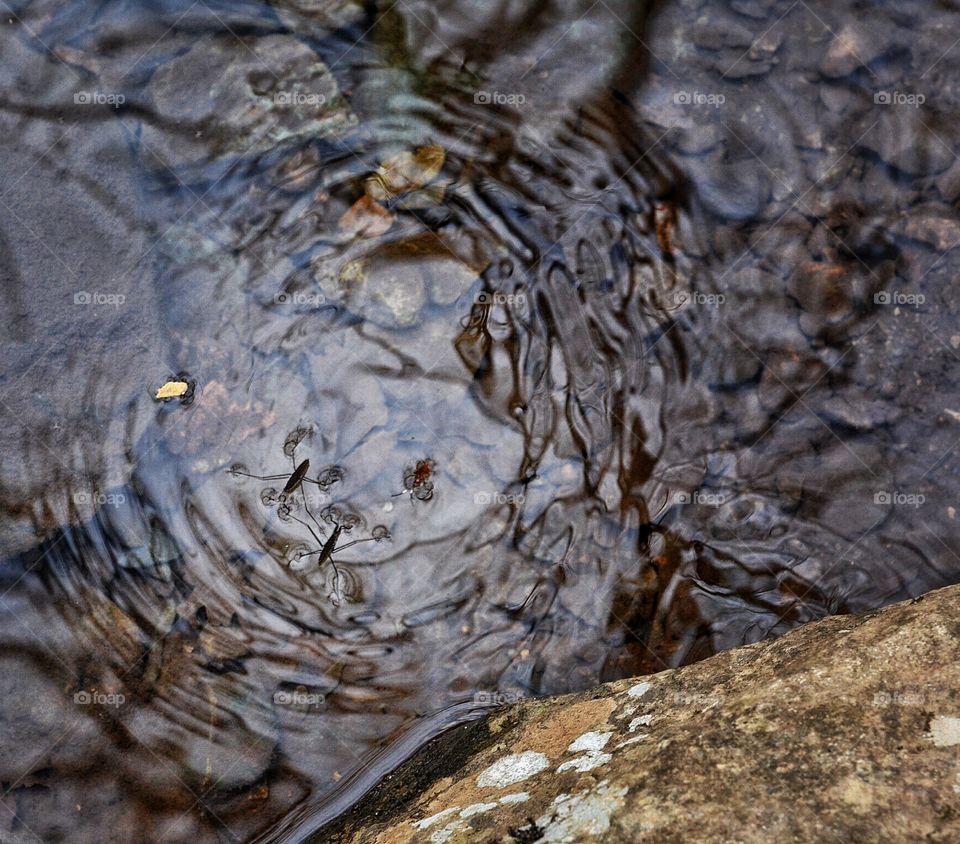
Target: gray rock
(948, 183)
(733, 190)
(758, 9)
(327, 15)
(859, 413)
(854, 46)
(934, 227)
(228, 97)
(713, 33)
(389, 284)
(907, 138)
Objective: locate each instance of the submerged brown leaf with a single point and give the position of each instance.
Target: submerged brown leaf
(366, 218)
(406, 171)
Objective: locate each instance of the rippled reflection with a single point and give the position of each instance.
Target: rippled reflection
(611, 340)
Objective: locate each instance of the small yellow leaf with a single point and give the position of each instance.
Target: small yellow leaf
(172, 390)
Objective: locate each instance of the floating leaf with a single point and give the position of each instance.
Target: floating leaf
(173, 390)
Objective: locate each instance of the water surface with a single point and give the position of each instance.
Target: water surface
(660, 294)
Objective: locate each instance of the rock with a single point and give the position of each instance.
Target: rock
(860, 414)
(837, 98)
(934, 228)
(389, 284)
(904, 138)
(47, 725)
(852, 722)
(948, 183)
(226, 96)
(854, 46)
(733, 190)
(712, 33)
(328, 15)
(758, 9)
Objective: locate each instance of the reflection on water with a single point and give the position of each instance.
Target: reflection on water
(627, 338)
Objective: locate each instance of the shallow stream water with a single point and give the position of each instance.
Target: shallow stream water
(625, 330)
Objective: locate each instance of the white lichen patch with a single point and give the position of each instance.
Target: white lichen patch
(477, 809)
(513, 768)
(590, 760)
(428, 822)
(633, 740)
(944, 732)
(519, 797)
(590, 741)
(642, 721)
(574, 817)
(639, 690)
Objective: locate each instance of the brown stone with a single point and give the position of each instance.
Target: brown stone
(845, 729)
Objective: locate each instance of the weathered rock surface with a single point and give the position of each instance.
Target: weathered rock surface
(230, 97)
(846, 729)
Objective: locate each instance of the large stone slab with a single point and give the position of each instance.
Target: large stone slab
(846, 729)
